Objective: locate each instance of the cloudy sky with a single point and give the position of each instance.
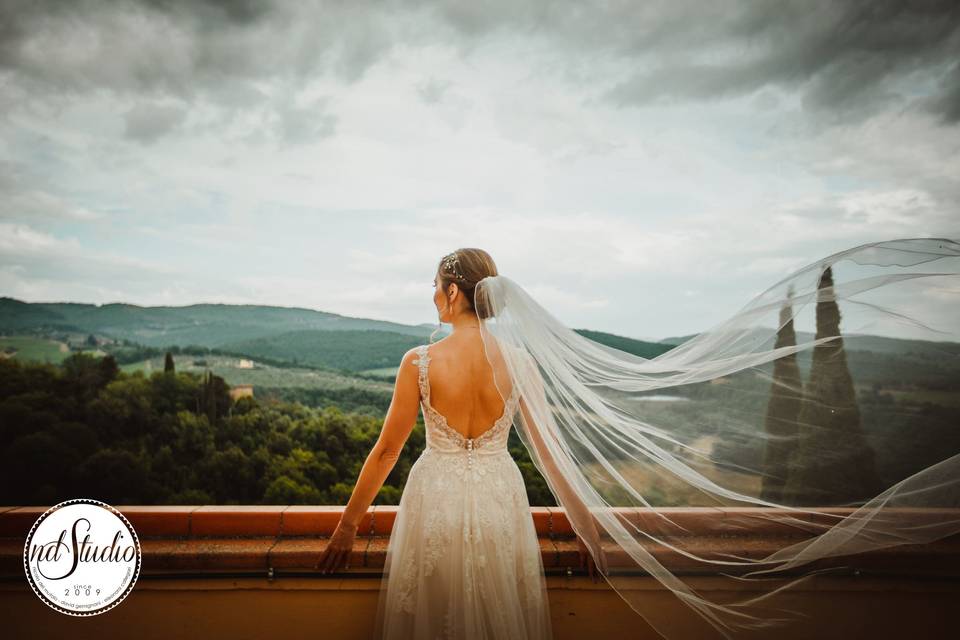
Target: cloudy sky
(326, 155)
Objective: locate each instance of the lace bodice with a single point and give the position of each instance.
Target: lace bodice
(442, 437)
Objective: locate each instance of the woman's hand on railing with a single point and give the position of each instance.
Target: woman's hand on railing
(586, 560)
(338, 548)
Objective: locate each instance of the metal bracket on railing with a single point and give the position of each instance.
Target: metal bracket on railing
(269, 573)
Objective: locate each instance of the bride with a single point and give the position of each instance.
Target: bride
(829, 389)
(463, 560)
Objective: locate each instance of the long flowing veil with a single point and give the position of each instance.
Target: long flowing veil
(835, 387)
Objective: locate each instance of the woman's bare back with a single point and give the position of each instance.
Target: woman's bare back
(462, 386)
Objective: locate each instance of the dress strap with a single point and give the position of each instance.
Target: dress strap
(422, 361)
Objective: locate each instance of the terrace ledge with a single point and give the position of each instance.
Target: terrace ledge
(273, 540)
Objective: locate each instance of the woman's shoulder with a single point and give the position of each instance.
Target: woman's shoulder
(414, 355)
(425, 351)
(442, 345)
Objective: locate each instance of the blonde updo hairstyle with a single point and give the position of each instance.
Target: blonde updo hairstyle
(466, 267)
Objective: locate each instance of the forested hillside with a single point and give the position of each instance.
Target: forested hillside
(179, 438)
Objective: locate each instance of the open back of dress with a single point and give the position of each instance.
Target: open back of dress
(463, 560)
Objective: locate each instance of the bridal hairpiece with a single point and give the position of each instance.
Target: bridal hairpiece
(452, 265)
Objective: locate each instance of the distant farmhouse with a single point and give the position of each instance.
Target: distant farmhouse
(245, 364)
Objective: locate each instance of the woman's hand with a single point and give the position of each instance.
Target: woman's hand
(338, 548)
(586, 560)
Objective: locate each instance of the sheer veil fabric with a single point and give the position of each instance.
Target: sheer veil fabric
(831, 388)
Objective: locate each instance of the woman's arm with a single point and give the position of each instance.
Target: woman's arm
(577, 511)
(401, 416)
(566, 496)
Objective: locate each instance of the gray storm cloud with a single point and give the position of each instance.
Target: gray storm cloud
(842, 56)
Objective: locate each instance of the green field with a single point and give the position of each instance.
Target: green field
(261, 375)
(30, 349)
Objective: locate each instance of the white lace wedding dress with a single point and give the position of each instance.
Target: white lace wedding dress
(463, 559)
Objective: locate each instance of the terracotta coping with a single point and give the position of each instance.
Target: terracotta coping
(267, 540)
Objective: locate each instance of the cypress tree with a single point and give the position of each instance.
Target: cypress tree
(780, 424)
(832, 463)
(210, 398)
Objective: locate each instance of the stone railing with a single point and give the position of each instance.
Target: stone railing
(250, 572)
(271, 540)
